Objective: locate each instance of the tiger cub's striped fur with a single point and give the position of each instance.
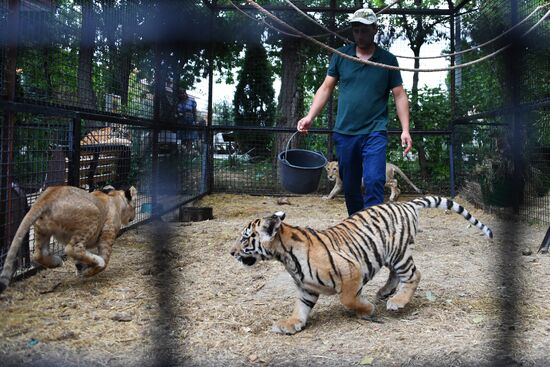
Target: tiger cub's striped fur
(343, 258)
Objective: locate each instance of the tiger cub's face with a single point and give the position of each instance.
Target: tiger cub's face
(256, 241)
(332, 171)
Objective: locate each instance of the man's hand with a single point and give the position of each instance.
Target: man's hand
(304, 124)
(406, 142)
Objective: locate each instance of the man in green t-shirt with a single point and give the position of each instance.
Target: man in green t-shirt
(361, 130)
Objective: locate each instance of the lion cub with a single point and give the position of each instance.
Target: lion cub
(391, 169)
(77, 219)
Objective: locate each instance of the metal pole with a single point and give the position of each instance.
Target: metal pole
(453, 104)
(452, 165)
(510, 273)
(156, 122)
(8, 126)
(208, 155)
(330, 105)
(74, 146)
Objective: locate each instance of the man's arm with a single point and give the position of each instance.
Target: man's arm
(402, 107)
(319, 101)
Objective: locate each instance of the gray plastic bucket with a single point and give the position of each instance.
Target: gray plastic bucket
(300, 169)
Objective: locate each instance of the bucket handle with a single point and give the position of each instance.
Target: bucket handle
(288, 143)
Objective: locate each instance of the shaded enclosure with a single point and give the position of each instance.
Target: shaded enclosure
(89, 96)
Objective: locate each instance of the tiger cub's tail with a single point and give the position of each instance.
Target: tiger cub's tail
(444, 203)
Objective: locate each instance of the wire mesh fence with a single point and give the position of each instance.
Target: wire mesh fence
(503, 107)
(44, 154)
(81, 57)
(111, 74)
(3, 45)
(245, 161)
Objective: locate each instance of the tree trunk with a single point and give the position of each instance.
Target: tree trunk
(111, 25)
(166, 107)
(86, 95)
(291, 95)
(125, 53)
(416, 44)
(125, 70)
(419, 125)
(120, 57)
(47, 71)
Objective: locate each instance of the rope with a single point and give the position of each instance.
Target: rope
(384, 66)
(329, 32)
(263, 21)
(420, 57)
(342, 30)
(307, 16)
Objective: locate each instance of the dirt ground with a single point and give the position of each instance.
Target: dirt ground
(172, 294)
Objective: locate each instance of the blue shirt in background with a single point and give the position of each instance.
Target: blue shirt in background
(185, 111)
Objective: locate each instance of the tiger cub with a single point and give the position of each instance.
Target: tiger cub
(79, 220)
(343, 258)
(333, 174)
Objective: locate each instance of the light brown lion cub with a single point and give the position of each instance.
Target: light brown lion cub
(77, 219)
(391, 169)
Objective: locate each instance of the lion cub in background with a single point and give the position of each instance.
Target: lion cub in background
(391, 169)
(77, 219)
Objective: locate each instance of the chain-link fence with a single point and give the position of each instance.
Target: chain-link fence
(83, 57)
(77, 81)
(44, 153)
(107, 59)
(244, 161)
(502, 125)
(93, 96)
(3, 42)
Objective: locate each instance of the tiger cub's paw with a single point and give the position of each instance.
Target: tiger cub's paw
(395, 303)
(289, 327)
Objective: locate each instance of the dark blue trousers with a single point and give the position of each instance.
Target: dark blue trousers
(362, 156)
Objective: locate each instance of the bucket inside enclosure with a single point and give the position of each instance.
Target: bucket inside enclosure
(300, 169)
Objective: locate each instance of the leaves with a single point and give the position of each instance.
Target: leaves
(478, 319)
(367, 360)
(430, 296)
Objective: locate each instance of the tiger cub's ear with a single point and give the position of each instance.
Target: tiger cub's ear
(131, 193)
(271, 225)
(107, 189)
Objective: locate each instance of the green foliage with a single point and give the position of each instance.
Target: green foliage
(223, 113)
(47, 62)
(253, 104)
(35, 139)
(487, 87)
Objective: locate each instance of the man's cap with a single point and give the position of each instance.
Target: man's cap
(365, 16)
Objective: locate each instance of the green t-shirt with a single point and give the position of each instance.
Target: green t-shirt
(363, 91)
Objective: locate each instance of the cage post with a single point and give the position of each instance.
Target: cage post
(455, 150)
(514, 64)
(74, 153)
(452, 61)
(155, 212)
(8, 126)
(330, 105)
(452, 23)
(452, 163)
(208, 157)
